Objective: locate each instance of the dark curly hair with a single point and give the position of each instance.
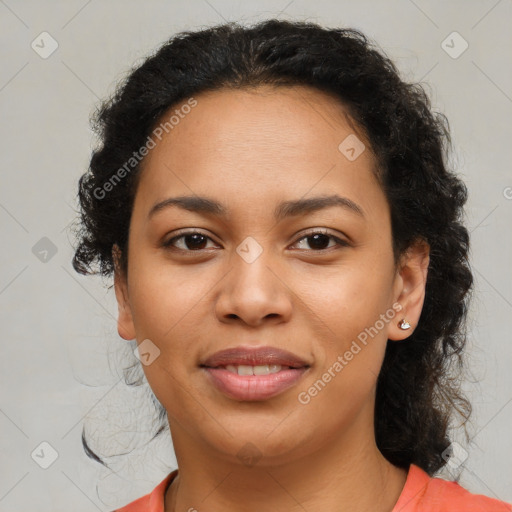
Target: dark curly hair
(418, 388)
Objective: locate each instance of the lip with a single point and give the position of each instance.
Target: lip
(254, 356)
(254, 387)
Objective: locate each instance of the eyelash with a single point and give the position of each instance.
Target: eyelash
(168, 245)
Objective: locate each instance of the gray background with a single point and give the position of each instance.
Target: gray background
(57, 326)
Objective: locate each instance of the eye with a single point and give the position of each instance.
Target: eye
(192, 241)
(318, 239)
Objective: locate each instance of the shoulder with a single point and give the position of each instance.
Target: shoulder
(423, 493)
(153, 501)
(450, 496)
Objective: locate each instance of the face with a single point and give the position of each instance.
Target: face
(319, 282)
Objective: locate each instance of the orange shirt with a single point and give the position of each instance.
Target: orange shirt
(421, 493)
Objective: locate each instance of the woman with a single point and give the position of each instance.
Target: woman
(287, 250)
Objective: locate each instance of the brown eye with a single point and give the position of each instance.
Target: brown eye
(319, 240)
(191, 241)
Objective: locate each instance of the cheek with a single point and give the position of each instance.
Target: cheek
(348, 360)
(353, 316)
(347, 297)
(164, 311)
(164, 299)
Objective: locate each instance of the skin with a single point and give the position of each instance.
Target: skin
(250, 150)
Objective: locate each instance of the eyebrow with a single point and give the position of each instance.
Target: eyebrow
(205, 205)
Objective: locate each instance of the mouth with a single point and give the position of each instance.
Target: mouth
(254, 374)
(261, 369)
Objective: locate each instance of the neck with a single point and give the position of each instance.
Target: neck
(347, 473)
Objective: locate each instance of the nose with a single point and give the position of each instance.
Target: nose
(253, 293)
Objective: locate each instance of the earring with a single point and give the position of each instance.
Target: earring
(404, 324)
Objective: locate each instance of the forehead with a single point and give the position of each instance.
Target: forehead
(261, 143)
(287, 120)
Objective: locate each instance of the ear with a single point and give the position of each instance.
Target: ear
(409, 288)
(125, 326)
